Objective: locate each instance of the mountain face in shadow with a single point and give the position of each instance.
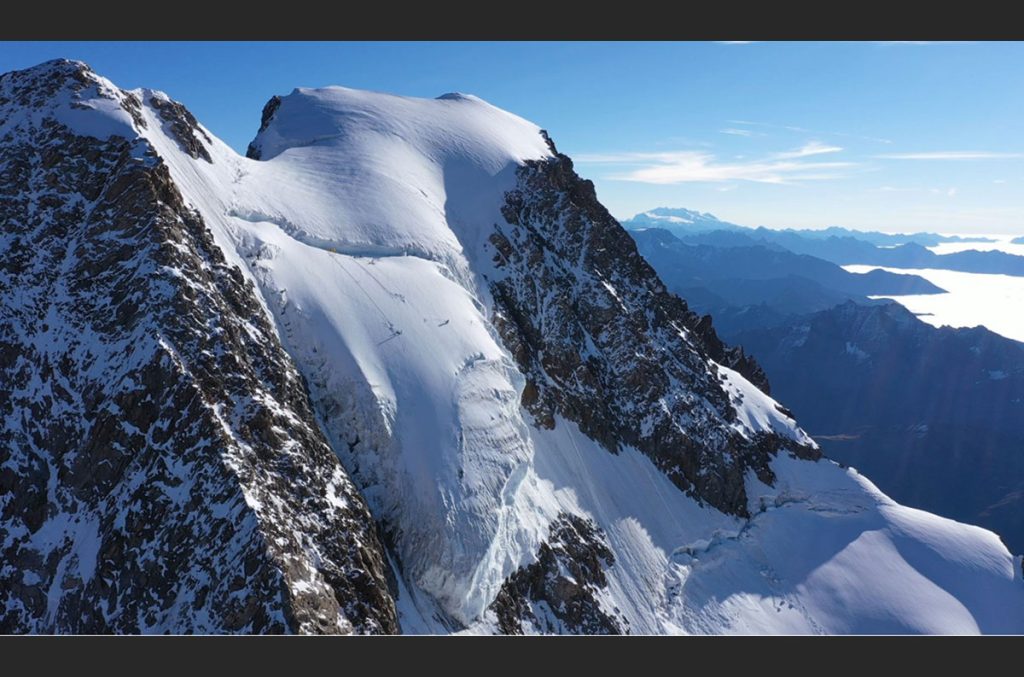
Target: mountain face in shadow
(745, 283)
(932, 415)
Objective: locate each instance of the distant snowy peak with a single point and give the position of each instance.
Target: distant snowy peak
(678, 215)
(678, 221)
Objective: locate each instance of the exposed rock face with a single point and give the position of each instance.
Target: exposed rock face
(253, 151)
(161, 469)
(603, 343)
(557, 594)
(183, 127)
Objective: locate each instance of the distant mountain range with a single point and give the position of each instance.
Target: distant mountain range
(680, 221)
(777, 282)
(698, 262)
(853, 250)
(931, 415)
(885, 239)
(850, 250)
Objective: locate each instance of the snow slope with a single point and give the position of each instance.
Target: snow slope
(362, 227)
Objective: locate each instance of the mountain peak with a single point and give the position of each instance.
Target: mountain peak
(360, 121)
(54, 68)
(681, 213)
(70, 93)
(679, 221)
(45, 80)
(459, 96)
(445, 163)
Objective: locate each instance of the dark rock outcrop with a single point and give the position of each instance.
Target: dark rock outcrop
(183, 127)
(556, 593)
(253, 150)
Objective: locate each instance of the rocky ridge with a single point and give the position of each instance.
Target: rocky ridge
(161, 466)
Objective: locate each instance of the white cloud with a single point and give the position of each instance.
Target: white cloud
(999, 181)
(951, 192)
(808, 149)
(700, 166)
(739, 132)
(804, 130)
(951, 155)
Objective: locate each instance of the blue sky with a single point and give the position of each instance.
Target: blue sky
(862, 135)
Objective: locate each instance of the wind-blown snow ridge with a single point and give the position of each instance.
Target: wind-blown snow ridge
(365, 227)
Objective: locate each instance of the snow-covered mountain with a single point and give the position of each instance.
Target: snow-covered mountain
(679, 221)
(529, 432)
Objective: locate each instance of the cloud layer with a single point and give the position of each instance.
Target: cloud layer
(699, 166)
